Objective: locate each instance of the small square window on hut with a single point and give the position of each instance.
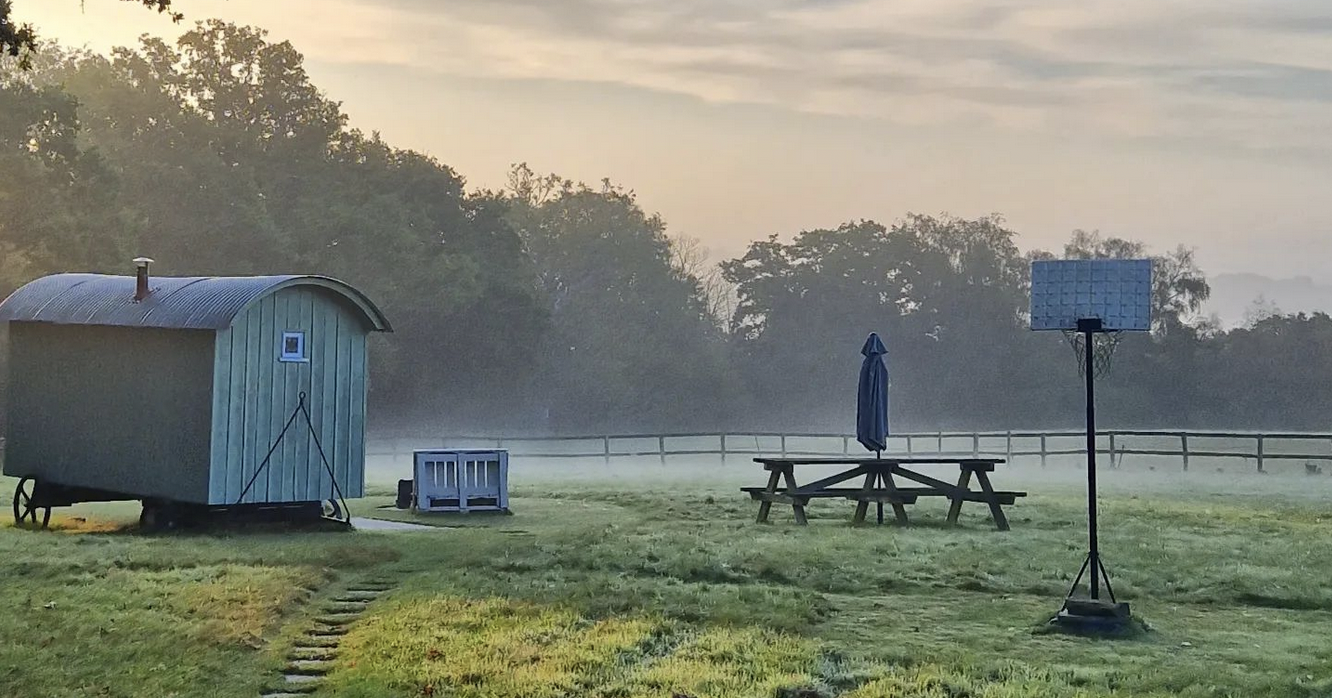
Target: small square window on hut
(293, 346)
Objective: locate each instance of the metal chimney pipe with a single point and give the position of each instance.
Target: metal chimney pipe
(141, 284)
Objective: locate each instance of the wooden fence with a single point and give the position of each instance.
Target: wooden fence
(1257, 449)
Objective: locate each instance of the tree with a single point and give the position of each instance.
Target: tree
(631, 341)
(56, 199)
(946, 294)
(1179, 288)
(21, 40)
(690, 259)
(1272, 375)
(1261, 309)
(216, 155)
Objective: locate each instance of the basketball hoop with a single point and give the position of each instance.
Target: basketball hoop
(1103, 350)
(1092, 302)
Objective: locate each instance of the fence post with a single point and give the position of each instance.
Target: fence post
(661, 447)
(605, 448)
(1008, 449)
(940, 449)
(1043, 456)
(783, 437)
(1114, 462)
(723, 449)
(908, 438)
(1260, 453)
(846, 445)
(975, 444)
(1184, 447)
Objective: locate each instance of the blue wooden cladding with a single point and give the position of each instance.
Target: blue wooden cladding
(256, 392)
(181, 395)
(460, 480)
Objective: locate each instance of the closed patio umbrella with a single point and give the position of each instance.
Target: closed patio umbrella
(872, 397)
(872, 401)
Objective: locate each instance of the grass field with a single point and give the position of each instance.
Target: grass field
(656, 582)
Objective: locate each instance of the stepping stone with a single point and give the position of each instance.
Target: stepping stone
(306, 652)
(360, 596)
(285, 694)
(345, 606)
(309, 666)
(333, 634)
(302, 678)
(338, 620)
(295, 689)
(321, 655)
(316, 643)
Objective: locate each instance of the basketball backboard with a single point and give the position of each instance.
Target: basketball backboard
(1118, 292)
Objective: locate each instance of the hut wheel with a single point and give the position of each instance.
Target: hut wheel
(159, 515)
(27, 513)
(331, 510)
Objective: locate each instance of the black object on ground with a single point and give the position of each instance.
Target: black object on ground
(404, 494)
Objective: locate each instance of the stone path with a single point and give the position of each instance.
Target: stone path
(311, 657)
(362, 524)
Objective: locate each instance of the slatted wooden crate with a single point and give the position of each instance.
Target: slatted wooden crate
(460, 480)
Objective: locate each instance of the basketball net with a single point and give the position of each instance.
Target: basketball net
(1103, 349)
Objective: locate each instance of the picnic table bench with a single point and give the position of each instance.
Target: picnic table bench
(879, 486)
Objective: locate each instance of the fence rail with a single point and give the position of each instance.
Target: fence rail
(1258, 448)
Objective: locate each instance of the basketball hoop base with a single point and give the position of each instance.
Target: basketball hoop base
(1094, 617)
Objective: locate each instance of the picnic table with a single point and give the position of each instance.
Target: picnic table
(880, 487)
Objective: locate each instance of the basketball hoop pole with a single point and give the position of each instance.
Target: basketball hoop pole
(1089, 328)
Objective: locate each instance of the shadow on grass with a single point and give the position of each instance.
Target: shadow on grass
(1133, 628)
(217, 528)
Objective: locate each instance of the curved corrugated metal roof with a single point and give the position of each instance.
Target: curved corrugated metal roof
(197, 302)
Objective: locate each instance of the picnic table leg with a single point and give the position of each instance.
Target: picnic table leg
(899, 510)
(996, 511)
(878, 506)
(765, 506)
(797, 504)
(963, 483)
(863, 505)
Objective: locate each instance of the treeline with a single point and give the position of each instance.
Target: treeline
(551, 306)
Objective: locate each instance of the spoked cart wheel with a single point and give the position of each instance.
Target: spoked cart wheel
(330, 509)
(27, 512)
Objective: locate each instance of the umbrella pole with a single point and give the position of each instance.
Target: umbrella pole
(877, 455)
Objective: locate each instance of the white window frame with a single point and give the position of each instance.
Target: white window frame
(299, 355)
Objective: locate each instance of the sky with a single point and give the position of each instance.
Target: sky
(1184, 122)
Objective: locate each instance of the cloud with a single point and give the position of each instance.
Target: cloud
(1251, 74)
